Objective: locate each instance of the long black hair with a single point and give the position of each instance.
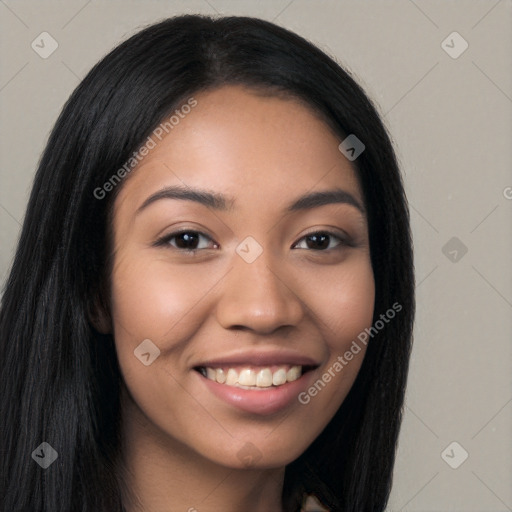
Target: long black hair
(60, 378)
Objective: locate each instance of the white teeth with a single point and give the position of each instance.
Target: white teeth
(247, 377)
(253, 379)
(264, 378)
(293, 373)
(232, 377)
(279, 377)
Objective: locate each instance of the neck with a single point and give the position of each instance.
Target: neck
(162, 474)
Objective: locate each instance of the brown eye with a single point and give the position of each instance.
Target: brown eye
(321, 241)
(185, 241)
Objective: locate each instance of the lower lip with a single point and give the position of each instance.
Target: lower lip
(265, 402)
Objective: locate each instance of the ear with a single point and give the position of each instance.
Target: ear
(99, 315)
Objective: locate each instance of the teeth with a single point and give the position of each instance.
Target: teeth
(250, 378)
(232, 377)
(279, 377)
(220, 376)
(264, 378)
(247, 377)
(293, 373)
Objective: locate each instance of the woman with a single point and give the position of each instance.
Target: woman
(212, 300)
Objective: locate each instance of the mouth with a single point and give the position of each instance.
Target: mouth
(257, 390)
(252, 377)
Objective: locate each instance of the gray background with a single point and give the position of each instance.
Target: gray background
(451, 120)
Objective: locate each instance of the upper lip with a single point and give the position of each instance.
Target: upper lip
(260, 358)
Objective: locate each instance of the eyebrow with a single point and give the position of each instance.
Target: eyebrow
(222, 203)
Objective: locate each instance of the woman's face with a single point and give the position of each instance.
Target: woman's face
(271, 294)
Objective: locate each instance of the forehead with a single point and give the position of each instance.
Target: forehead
(259, 149)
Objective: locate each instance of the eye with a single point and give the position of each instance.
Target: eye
(321, 241)
(189, 241)
(186, 240)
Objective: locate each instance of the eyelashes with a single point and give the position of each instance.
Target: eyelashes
(185, 236)
(321, 238)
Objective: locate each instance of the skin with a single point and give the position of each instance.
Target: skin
(181, 442)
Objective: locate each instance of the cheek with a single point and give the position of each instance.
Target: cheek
(343, 300)
(150, 299)
(154, 300)
(344, 307)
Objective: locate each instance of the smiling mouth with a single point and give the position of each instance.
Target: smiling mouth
(254, 377)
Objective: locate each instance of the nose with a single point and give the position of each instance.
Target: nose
(258, 296)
